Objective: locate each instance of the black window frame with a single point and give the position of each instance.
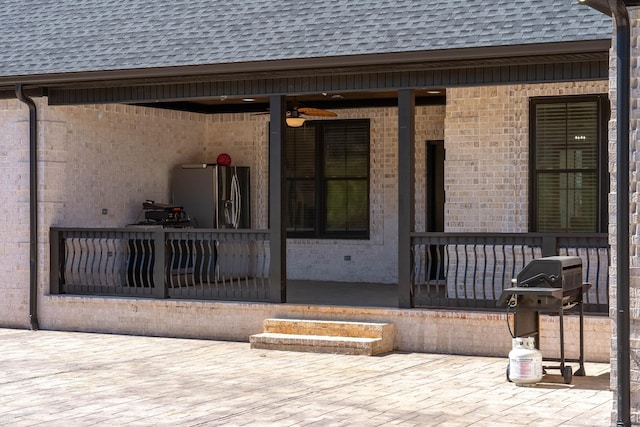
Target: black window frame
(320, 218)
(602, 173)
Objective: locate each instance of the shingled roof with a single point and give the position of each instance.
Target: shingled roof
(65, 36)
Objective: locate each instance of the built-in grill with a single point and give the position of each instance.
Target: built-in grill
(548, 285)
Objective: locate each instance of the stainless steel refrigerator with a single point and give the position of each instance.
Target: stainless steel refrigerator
(214, 196)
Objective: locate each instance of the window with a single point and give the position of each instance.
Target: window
(569, 181)
(327, 167)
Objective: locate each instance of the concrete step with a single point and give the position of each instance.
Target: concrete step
(322, 336)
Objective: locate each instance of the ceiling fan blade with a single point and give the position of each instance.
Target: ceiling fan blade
(289, 113)
(316, 112)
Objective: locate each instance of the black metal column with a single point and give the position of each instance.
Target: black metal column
(406, 205)
(277, 200)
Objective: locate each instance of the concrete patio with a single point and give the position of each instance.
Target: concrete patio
(52, 378)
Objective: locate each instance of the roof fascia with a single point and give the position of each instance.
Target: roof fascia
(511, 51)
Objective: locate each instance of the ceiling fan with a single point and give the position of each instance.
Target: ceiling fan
(296, 116)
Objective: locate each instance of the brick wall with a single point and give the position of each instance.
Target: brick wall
(432, 331)
(14, 230)
(112, 157)
(487, 163)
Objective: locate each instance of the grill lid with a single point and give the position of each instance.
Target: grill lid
(553, 272)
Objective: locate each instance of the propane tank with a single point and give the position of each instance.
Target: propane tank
(525, 362)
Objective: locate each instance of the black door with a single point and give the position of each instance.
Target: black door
(435, 206)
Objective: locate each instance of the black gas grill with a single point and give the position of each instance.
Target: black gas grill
(548, 285)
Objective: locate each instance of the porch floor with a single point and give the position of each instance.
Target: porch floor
(342, 293)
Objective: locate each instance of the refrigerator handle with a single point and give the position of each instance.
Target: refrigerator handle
(236, 201)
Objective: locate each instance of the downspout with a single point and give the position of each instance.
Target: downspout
(623, 99)
(33, 207)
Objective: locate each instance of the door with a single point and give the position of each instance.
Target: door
(435, 205)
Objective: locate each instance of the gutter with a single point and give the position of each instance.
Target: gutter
(33, 207)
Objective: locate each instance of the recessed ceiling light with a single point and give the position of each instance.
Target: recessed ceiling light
(433, 92)
(337, 96)
(248, 99)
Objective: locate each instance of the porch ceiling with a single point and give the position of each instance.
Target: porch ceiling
(325, 100)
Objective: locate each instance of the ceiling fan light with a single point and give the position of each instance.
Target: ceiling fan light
(295, 122)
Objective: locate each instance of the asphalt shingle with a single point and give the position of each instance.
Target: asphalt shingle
(59, 36)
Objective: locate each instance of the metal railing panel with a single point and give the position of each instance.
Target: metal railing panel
(94, 262)
(229, 265)
(595, 267)
(160, 263)
(470, 270)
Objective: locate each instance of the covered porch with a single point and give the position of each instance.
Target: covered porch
(460, 258)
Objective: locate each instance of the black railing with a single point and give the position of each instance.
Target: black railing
(450, 270)
(161, 263)
(471, 269)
